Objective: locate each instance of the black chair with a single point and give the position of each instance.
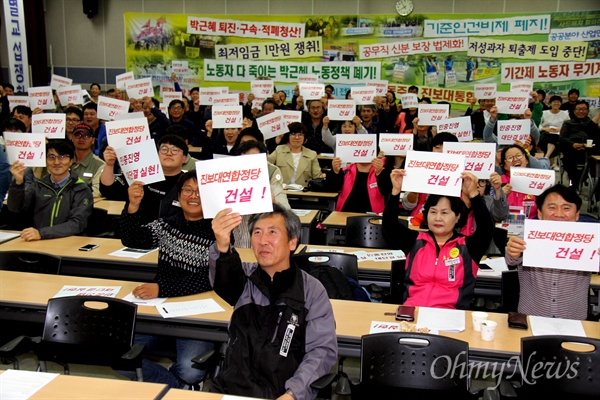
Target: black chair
(77, 331)
(510, 290)
(362, 232)
(551, 370)
(500, 238)
(99, 224)
(30, 261)
(346, 263)
(401, 364)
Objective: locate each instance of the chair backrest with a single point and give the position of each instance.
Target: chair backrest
(347, 263)
(414, 361)
(362, 232)
(500, 237)
(81, 333)
(551, 368)
(97, 222)
(30, 261)
(510, 290)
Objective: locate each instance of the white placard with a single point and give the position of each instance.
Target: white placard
(311, 91)
(460, 127)
(168, 97)
(382, 326)
(513, 130)
(41, 97)
(381, 87)
(480, 158)
(356, 148)
(341, 110)
(58, 81)
(163, 108)
(53, 125)
(127, 132)
(262, 88)
(122, 79)
(308, 78)
(243, 186)
(521, 87)
(206, 94)
(185, 308)
(431, 114)
(130, 252)
(109, 108)
(257, 103)
(561, 245)
(227, 116)
(231, 99)
(140, 162)
(70, 95)
(395, 144)
(363, 95)
(139, 88)
(409, 100)
(485, 91)
(272, 125)
(179, 67)
(290, 116)
(18, 101)
(22, 385)
(28, 148)
(434, 173)
(531, 180)
(73, 290)
(512, 103)
(129, 115)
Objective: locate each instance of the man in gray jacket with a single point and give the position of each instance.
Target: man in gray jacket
(60, 202)
(282, 330)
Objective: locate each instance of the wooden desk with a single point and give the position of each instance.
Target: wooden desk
(179, 394)
(306, 221)
(312, 200)
(114, 208)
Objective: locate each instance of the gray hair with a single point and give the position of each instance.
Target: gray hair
(292, 222)
(371, 106)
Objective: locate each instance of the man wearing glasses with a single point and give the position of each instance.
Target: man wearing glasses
(87, 165)
(74, 116)
(177, 117)
(60, 202)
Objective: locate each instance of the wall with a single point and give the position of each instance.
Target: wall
(92, 50)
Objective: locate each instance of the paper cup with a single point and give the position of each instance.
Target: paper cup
(589, 143)
(488, 330)
(478, 316)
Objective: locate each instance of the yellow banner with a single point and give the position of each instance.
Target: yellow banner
(485, 47)
(292, 48)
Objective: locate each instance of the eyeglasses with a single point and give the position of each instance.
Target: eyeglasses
(298, 134)
(514, 158)
(61, 157)
(176, 108)
(581, 109)
(165, 150)
(80, 135)
(187, 192)
(73, 121)
(316, 108)
(482, 183)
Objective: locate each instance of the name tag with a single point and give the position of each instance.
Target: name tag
(373, 185)
(287, 340)
(452, 261)
(451, 274)
(88, 174)
(176, 203)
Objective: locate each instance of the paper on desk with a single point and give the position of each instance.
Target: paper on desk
(4, 236)
(21, 385)
(183, 308)
(380, 326)
(496, 264)
(313, 250)
(129, 252)
(301, 213)
(379, 256)
(556, 326)
(144, 302)
(72, 290)
(441, 319)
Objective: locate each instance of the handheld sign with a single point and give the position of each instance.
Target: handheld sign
(139, 88)
(179, 67)
(227, 116)
(206, 94)
(290, 116)
(18, 101)
(431, 114)
(41, 97)
(308, 78)
(521, 87)
(395, 144)
(311, 91)
(561, 245)
(272, 125)
(109, 108)
(170, 96)
(127, 132)
(512, 102)
(363, 95)
(130, 115)
(485, 91)
(70, 94)
(434, 173)
(480, 158)
(356, 148)
(531, 180)
(57, 81)
(341, 110)
(513, 130)
(459, 127)
(140, 162)
(231, 99)
(381, 87)
(409, 100)
(262, 88)
(243, 186)
(53, 126)
(122, 79)
(28, 148)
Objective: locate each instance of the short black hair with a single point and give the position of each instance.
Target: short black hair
(186, 176)
(542, 93)
(413, 87)
(194, 89)
(579, 102)
(176, 101)
(269, 101)
(250, 131)
(426, 100)
(329, 86)
(512, 146)
(74, 110)
(443, 137)
(111, 90)
(567, 193)
(21, 109)
(14, 124)
(8, 85)
(296, 127)
(555, 97)
(251, 144)
(456, 204)
(62, 147)
(90, 106)
(573, 91)
(95, 84)
(174, 140)
(181, 131)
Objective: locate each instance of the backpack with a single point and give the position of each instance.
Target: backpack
(335, 282)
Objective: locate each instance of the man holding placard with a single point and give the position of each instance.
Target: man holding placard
(553, 292)
(87, 165)
(90, 117)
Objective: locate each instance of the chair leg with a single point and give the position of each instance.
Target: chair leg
(139, 375)
(42, 366)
